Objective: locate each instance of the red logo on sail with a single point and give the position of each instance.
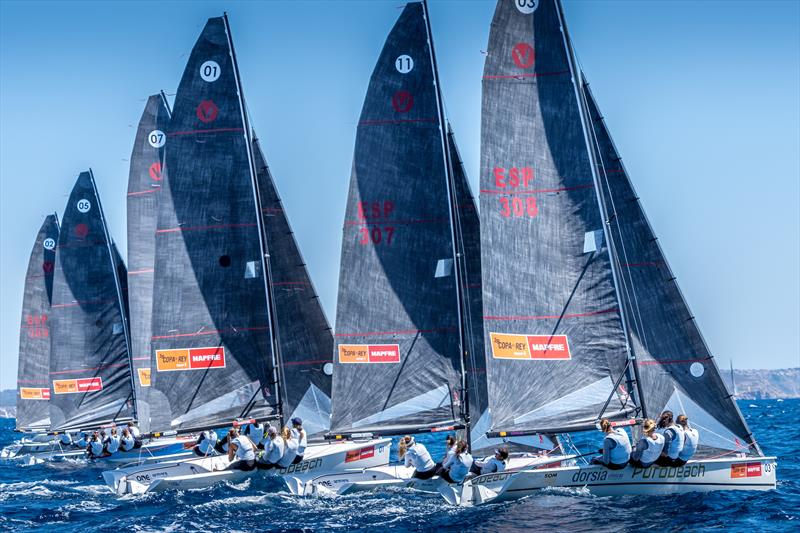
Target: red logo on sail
(73, 386)
(155, 171)
(530, 347)
(369, 353)
(207, 111)
(402, 101)
(190, 359)
(81, 231)
(48, 266)
(523, 55)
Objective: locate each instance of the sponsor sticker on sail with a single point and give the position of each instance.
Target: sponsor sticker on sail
(144, 377)
(190, 359)
(34, 393)
(75, 386)
(530, 347)
(369, 353)
(740, 470)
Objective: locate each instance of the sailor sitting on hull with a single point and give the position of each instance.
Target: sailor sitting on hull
(649, 447)
(690, 439)
(673, 440)
(290, 452)
(242, 449)
(616, 447)
(96, 448)
(113, 442)
(127, 442)
(489, 465)
(274, 448)
(415, 454)
(82, 440)
(135, 433)
(456, 466)
(205, 443)
(65, 439)
(299, 434)
(255, 431)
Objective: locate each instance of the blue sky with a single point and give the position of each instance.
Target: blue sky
(702, 98)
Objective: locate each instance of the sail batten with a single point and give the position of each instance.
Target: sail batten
(33, 385)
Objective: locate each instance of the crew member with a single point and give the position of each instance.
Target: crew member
(496, 463)
(255, 430)
(96, 447)
(649, 447)
(456, 467)
(673, 439)
(64, 439)
(113, 442)
(616, 447)
(205, 443)
(290, 452)
(299, 434)
(243, 449)
(273, 450)
(416, 455)
(136, 433)
(127, 442)
(690, 439)
(82, 441)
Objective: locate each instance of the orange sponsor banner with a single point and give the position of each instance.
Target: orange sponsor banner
(34, 393)
(144, 376)
(74, 386)
(190, 358)
(740, 470)
(369, 353)
(530, 347)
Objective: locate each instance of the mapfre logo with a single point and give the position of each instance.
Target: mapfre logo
(530, 347)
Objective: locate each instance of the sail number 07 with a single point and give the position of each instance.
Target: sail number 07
(376, 235)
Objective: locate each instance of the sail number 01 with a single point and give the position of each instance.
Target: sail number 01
(210, 71)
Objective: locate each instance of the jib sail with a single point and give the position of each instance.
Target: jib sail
(304, 335)
(33, 385)
(144, 185)
(89, 364)
(397, 359)
(212, 332)
(676, 369)
(555, 340)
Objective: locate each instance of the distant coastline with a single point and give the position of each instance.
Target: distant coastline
(783, 383)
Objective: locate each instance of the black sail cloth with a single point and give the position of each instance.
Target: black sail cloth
(554, 338)
(676, 369)
(305, 337)
(33, 385)
(89, 362)
(144, 184)
(211, 337)
(397, 363)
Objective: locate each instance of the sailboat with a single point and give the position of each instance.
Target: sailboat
(409, 335)
(583, 317)
(226, 284)
(33, 387)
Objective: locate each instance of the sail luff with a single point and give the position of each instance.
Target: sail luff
(267, 276)
(452, 200)
(577, 84)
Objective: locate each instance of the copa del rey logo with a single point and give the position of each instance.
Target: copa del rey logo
(530, 347)
(190, 359)
(369, 353)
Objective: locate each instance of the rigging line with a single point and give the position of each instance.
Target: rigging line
(638, 320)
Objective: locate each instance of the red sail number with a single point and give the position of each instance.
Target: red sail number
(518, 207)
(376, 235)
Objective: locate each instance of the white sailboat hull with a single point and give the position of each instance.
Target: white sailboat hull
(703, 475)
(393, 476)
(206, 471)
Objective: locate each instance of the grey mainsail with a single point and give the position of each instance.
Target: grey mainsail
(144, 184)
(33, 385)
(212, 332)
(676, 368)
(555, 340)
(305, 337)
(397, 360)
(89, 362)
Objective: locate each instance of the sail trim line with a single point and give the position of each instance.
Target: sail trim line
(550, 317)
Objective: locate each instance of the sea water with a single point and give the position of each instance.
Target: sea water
(69, 497)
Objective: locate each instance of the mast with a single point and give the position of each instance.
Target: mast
(451, 204)
(277, 368)
(125, 329)
(577, 84)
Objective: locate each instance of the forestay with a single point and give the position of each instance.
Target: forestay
(33, 385)
(304, 335)
(555, 341)
(676, 369)
(89, 362)
(146, 175)
(211, 342)
(397, 360)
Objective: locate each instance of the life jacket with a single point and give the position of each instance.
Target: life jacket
(96, 448)
(676, 444)
(274, 449)
(653, 450)
(113, 444)
(459, 467)
(690, 441)
(128, 443)
(492, 464)
(289, 454)
(621, 453)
